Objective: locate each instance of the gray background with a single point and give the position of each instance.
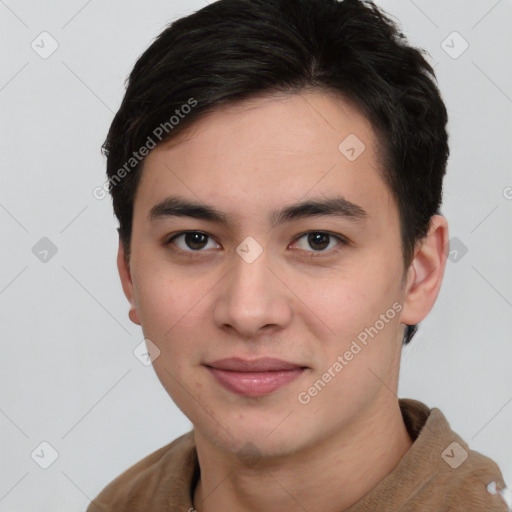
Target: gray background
(68, 373)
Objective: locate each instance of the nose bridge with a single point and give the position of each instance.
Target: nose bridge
(252, 297)
(249, 272)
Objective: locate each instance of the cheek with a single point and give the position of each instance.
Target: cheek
(172, 308)
(172, 322)
(348, 301)
(350, 305)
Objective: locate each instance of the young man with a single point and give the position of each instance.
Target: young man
(276, 168)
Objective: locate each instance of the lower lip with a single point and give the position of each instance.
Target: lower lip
(254, 383)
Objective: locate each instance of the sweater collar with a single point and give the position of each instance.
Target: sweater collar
(439, 471)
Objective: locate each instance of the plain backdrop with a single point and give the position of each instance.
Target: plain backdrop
(69, 377)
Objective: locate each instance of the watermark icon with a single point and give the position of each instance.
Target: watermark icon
(456, 249)
(44, 45)
(249, 249)
(304, 397)
(454, 45)
(159, 134)
(249, 454)
(146, 352)
(44, 250)
(44, 455)
(454, 455)
(507, 193)
(351, 147)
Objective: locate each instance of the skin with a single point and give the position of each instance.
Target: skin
(294, 302)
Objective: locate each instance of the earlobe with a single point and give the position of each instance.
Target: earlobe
(426, 272)
(127, 284)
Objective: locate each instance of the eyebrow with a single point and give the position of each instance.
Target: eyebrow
(337, 206)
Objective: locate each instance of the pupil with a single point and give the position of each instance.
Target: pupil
(195, 240)
(321, 239)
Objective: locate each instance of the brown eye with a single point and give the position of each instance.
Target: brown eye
(319, 241)
(190, 241)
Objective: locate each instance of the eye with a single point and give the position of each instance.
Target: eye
(191, 241)
(320, 241)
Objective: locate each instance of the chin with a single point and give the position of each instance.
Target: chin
(251, 441)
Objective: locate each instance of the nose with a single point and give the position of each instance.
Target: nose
(253, 298)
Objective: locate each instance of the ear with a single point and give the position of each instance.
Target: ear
(126, 281)
(425, 275)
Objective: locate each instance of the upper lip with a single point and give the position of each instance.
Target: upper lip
(264, 364)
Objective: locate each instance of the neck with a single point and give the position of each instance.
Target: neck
(330, 476)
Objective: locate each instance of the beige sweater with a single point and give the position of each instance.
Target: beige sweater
(433, 476)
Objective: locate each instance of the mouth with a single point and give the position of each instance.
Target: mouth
(253, 378)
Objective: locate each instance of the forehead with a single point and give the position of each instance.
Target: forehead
(252, 156)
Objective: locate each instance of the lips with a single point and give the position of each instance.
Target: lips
(264, 364)
(254, 378)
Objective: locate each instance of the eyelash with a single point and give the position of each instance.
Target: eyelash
(313, 254)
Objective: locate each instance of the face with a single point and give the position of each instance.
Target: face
(262, 279)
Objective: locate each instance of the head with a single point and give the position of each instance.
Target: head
(237, 112)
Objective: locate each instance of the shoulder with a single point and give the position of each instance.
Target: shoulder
(472, 481)
(151, 479)
(444, 466)
(477, 483)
